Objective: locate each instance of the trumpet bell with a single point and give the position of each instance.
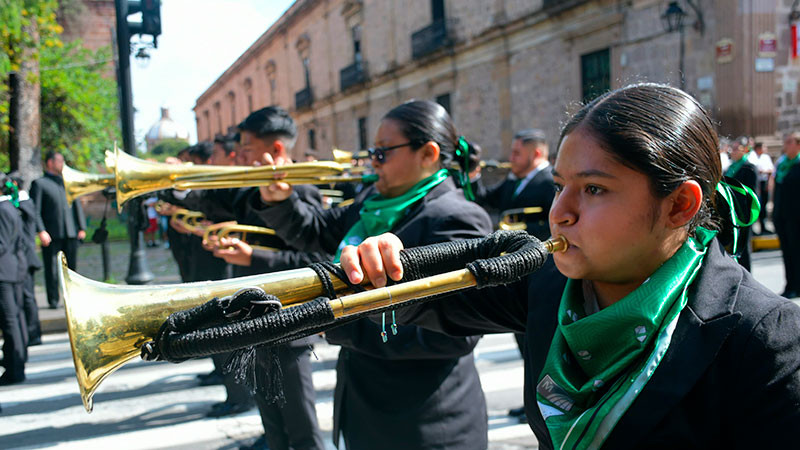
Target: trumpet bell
(108, 324)
(77, 183)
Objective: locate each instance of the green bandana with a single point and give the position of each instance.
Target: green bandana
(784, 167)
(379, 215)
(598, 363)
(733, 168)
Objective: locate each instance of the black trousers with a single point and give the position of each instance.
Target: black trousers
(789, 236)
(31, 309)
(70, 248)
(294, 424)
(12, 324)
(763, 198)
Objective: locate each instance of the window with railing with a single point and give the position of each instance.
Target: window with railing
(433, 37)
(595, 74)
(355, 73)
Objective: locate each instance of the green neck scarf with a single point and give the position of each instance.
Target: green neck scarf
(733, 168)
(784, 167)
(598, 363)
(379, 215)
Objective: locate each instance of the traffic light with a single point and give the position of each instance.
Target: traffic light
(151, 18)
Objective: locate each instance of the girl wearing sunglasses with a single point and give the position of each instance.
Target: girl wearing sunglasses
(657, 339)
(398, 387)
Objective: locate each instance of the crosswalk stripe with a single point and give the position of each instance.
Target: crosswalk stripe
(166, 398)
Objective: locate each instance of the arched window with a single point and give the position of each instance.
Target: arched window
(270, 70)
(248, 90)
(232, 101)
(207, 119)
(218, 112)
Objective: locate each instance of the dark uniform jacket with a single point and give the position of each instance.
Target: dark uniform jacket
(420, 389)
(730, 379)
(786, 199)
(28, 211)
(53, 213)
(538, 192)
(13, 262)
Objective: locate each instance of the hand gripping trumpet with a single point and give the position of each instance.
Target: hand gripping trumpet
(241, 232)
(109, 325)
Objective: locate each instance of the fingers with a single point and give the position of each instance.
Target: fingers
(267, 160)
(389, 246)
(371, 260)
(351, 265)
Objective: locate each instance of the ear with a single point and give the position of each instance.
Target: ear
(279, 148)
(685, 202)
(429, 154)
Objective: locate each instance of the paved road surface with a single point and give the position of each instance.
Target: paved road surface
(160, 405)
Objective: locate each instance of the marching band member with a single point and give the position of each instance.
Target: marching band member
(398, 387)
(658, 339)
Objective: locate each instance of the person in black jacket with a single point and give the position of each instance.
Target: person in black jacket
(786, 211)
(658, 339)
(28, 210)
(13, 268)
(292, 424)
(742, 170)
(60, 226)
(530, 183)
(398, 387)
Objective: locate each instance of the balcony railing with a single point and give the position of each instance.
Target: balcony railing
(353, 75)
(303, 99)
(429, 39)
(556, 6)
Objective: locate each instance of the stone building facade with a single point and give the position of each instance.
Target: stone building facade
(503, 65)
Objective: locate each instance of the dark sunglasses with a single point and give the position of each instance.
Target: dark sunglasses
(379, 153)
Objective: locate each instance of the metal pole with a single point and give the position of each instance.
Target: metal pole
(138, 273)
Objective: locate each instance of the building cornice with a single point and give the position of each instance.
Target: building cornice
(280, 26)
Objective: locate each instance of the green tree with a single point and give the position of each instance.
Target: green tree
(79, 114)
(169, 147)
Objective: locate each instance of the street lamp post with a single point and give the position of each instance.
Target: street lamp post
(673, 19)
(138, 273)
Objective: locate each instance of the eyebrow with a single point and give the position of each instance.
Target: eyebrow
(587, 174)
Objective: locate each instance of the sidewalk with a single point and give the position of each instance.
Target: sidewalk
(90, 265)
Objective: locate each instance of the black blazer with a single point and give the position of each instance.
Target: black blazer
(53, 213)
(420, 389)
(28, 211)
(538, 192)
(730, 379)
(13, 263)
(786, 199)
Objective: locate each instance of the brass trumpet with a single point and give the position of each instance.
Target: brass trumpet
(512, 218)
(189, 219)
(227, 229)
(108, 324)
(77, 183)
(133, 177)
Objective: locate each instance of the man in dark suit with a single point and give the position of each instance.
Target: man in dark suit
(530, 182)
(786, 213)
(60, 226)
